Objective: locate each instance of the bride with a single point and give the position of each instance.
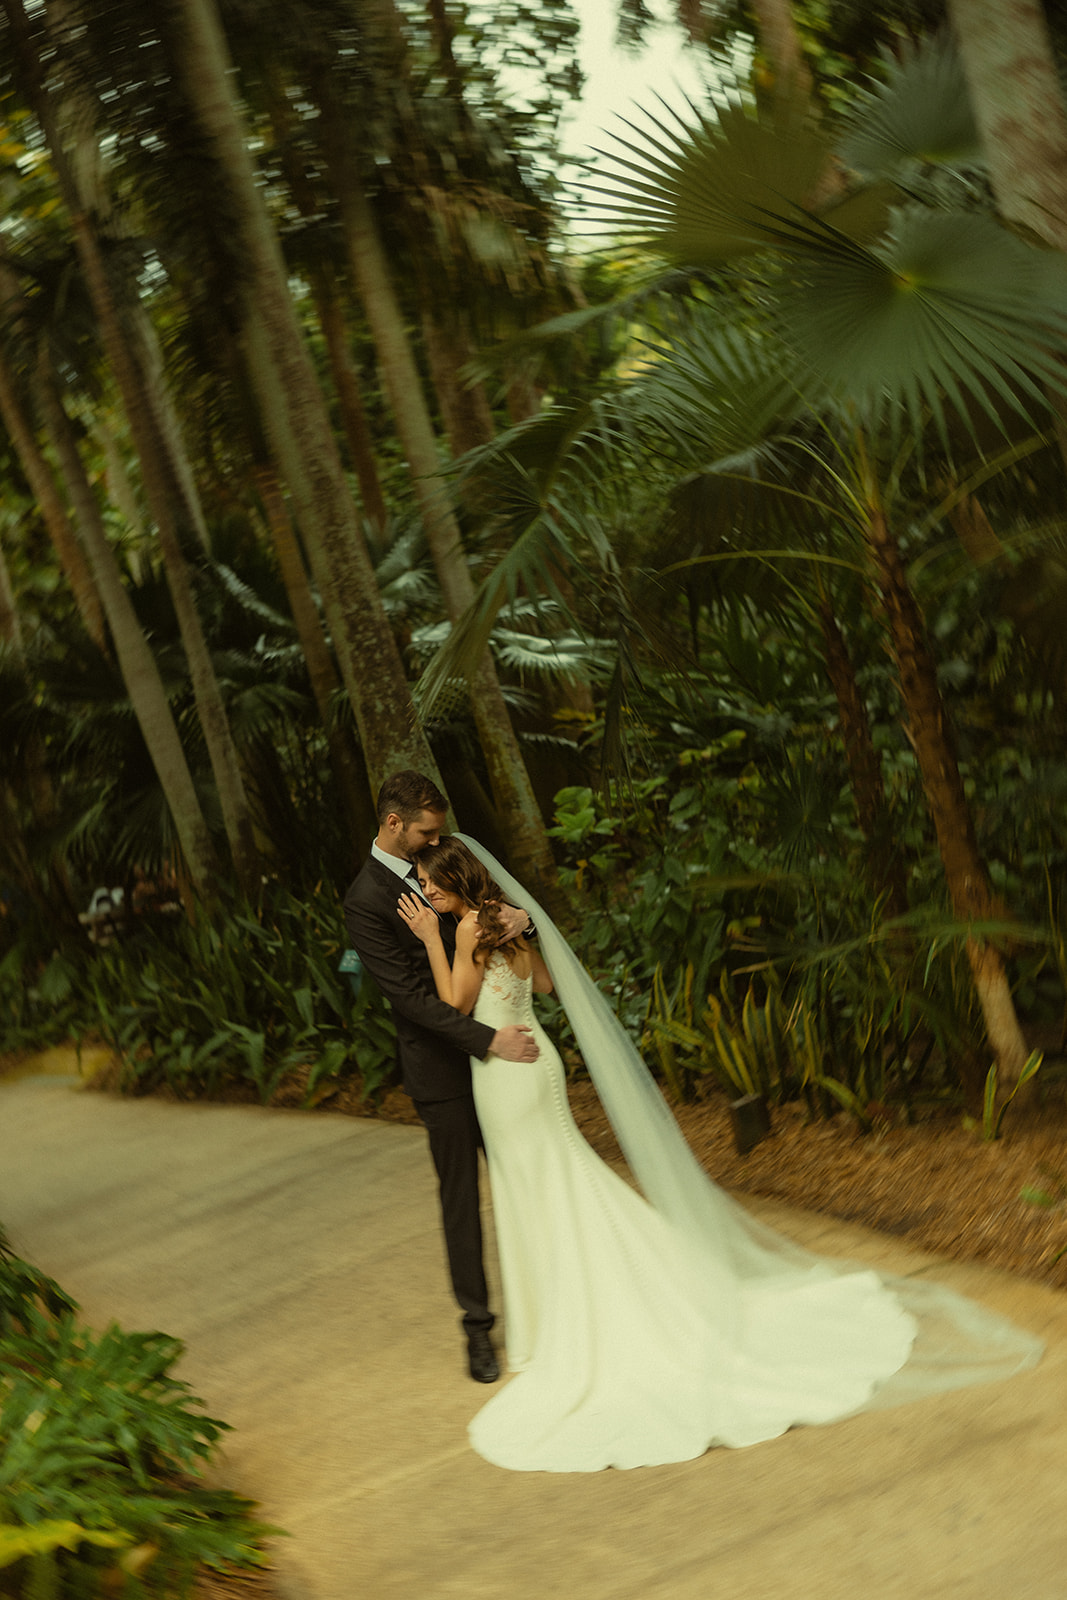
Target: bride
(645, 1330)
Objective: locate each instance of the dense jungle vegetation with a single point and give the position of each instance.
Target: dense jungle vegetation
(717, 573)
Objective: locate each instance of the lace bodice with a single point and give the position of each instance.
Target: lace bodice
(504, 997)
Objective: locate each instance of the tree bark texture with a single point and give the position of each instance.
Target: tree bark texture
(10, 626)
(294, 414)
(52, 509)
(350, 400)
(864, 767)
(1018, 105)
(520, 815)
(781, 45)
(136, 662)
(464, 411)
(934, 745)
(348, 768)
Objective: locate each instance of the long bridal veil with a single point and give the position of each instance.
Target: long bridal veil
(958, 1342)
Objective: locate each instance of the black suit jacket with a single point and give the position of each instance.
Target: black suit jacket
(434, 1041)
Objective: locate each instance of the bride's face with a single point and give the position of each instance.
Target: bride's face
(442, 900)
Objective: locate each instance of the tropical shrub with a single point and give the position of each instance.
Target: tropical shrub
(241, 999)
(100, 1450)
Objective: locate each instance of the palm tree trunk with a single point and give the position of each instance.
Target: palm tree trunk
(350, 399)
(1019, 107)
(465, 412)
(781, 44)
(164, 501)
(864, 766)
(10, 625)
(295, 417)
(931, 736)
(136, 662)
(51, 507)
(348, 768)
(1017, 98)
(166, 498)
(520, 816)
(120, 491)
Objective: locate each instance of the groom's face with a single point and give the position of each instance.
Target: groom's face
(424, 830)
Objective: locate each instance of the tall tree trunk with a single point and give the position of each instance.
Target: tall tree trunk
(120, 491)
(864, 767)
(520, 816)
(1017, 99)
(1019, 107)
(10, 625)
(295, 417)
(76, 117)
(932, 740)
(350, 399)
(136, 662)
(157, 472)
(464, 411)
(49, 503)
(781, 45)
(348, 768)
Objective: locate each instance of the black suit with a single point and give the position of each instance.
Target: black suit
(434, 1046)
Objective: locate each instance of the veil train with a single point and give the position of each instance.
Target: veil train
(958, 1342)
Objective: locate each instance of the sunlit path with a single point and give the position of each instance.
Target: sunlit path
(297, 1255)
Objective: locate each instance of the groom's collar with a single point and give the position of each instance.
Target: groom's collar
(401, 867)
(398, 864)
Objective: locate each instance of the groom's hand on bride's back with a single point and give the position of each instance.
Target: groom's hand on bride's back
(514, 1044)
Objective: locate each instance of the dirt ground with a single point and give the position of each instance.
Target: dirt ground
(936, 1183)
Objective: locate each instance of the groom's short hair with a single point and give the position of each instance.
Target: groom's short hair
(407, 794)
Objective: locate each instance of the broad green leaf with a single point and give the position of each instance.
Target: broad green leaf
(920, 113)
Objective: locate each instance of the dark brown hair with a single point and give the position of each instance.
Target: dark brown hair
(452, 867)
(407, 794)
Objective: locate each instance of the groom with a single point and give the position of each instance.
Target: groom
(434, 1041)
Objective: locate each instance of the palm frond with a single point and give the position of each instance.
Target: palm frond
(704, 191)
(921, 112)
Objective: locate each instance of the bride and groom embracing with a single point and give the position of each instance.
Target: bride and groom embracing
(642, 1328)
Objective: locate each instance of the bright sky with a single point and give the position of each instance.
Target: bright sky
(618, 80)
(619, 83)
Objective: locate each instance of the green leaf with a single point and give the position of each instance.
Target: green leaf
(920, 113)
(721, 185)
(39, 1538)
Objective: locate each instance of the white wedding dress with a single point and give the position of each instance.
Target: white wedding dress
(645, 1330)
(632, 1349)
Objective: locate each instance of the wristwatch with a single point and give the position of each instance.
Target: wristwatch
(530, 932)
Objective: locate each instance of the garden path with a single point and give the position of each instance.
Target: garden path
(297, 1256)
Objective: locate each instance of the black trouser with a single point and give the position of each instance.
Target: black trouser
(455, 1139)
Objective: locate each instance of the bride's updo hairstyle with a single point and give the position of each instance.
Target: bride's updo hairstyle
(452, 867)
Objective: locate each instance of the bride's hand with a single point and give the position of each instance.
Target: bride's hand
(420, 918)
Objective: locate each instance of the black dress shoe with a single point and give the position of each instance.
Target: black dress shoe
(483, 1362)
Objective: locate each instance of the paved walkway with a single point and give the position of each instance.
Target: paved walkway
(298, 1257)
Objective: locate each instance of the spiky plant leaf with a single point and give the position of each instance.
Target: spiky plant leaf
(705, 191)
(921, 112)
(944, 308)
(948, 306)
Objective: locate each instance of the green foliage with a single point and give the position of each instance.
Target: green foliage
(24, 1288)
(992, 1115)
(240, 999)
(100, 1448)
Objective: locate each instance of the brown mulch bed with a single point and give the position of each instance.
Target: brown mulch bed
(936, 1183)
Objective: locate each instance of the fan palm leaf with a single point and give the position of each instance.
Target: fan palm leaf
(939, 307)
(919, 113)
